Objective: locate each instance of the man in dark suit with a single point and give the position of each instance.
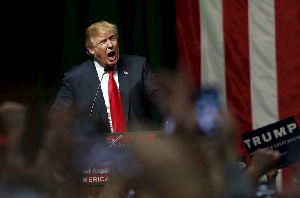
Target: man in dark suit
(84, 88)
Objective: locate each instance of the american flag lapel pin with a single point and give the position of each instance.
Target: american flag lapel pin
(125, 72)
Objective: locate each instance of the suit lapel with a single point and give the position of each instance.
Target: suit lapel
(124, 86)
(93, 83)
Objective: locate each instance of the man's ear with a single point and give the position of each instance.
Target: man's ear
(91, 51)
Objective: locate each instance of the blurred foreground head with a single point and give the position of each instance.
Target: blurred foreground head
(13, 118)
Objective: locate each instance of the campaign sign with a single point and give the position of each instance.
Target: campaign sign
(279, 136)
(112, 155)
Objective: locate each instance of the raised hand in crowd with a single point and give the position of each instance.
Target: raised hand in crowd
(263, 161)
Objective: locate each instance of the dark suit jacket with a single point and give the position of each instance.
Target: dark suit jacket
(138, 89)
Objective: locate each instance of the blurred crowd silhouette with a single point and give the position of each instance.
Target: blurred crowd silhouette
(184, 163)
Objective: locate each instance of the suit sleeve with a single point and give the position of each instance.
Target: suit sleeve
(155, 93)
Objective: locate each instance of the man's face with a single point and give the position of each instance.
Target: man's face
(106, 49)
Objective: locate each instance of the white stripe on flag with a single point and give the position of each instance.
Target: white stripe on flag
(263, 63)
(212, 45)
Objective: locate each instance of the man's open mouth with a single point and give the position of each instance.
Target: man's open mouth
(111, 55)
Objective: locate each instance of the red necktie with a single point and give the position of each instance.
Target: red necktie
(116, 109)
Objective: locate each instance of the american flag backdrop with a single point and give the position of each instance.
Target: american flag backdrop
(250, 49)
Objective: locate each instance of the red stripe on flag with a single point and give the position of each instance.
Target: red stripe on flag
(188, 39)
(237, 63)
(288, 63)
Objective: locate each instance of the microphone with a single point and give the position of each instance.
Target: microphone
(106, 68)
